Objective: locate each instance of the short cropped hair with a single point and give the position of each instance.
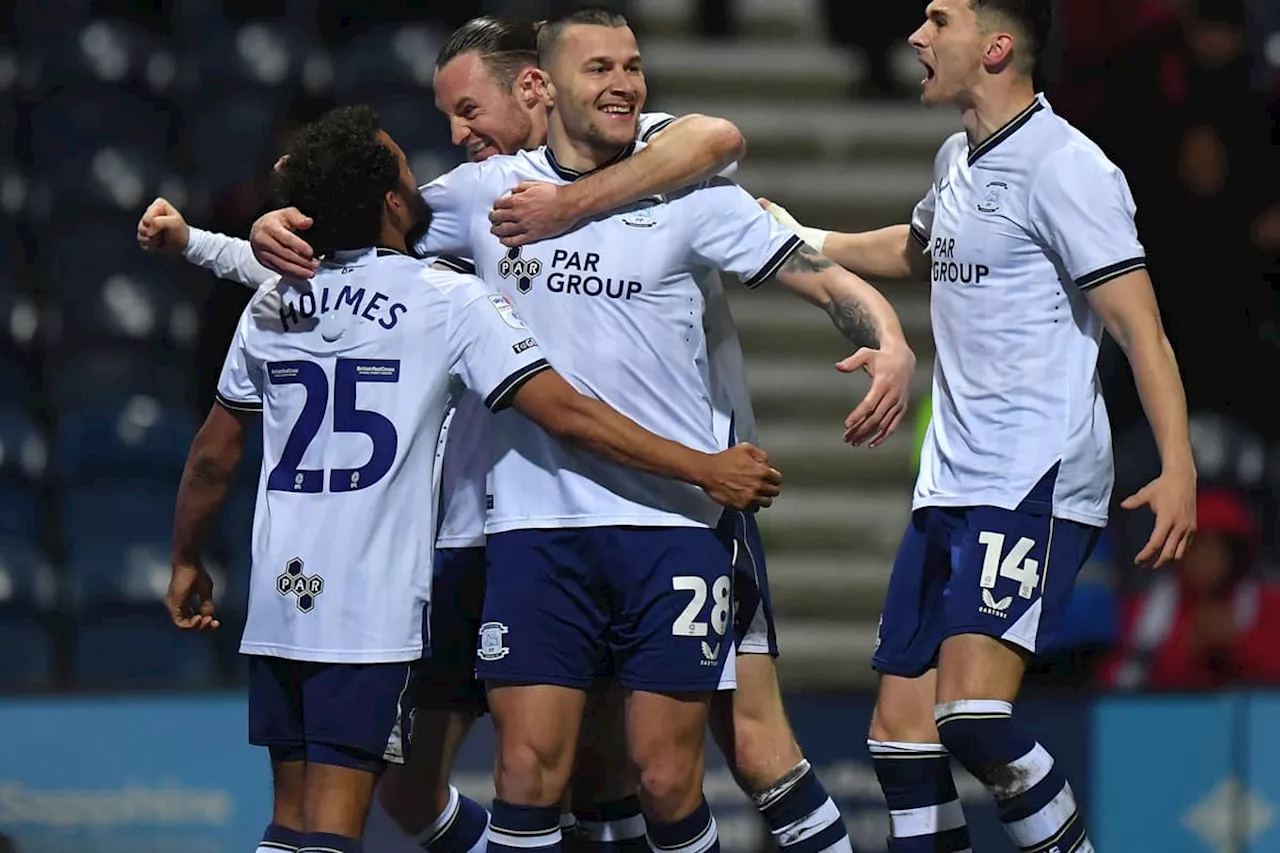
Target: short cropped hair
(505, 47)
(550, 32)
(1033, 17)
(338, 173)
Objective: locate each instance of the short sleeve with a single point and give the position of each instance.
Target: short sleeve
(494, 352)
(733, 234)
(652, 124)
(454, 198)
(1082, 210)
(240, 383)
(922, 218)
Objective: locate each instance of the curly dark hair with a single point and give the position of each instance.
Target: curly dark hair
(338, 172)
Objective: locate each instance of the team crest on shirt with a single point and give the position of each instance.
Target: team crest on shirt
(992, 197)
(640, 218)
(523, 270)
(492, 646)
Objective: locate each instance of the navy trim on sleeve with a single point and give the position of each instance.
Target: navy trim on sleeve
(775, 263)
(648, 134)
(502, 395)
(456, 264)
(249, 407)
(921, 237)
(1107, 273)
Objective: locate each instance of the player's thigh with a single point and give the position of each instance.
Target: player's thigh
(288, 784)
(910, 629)
(603, 772)
(753, 626)
(1012, 576)
(666, 739)
(544, 620)
(750, 725)
(337, 799)
(446, 681)
(417, 792)
(537, 728)
(672, 590)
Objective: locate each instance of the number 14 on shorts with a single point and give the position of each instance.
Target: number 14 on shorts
(1014, 565)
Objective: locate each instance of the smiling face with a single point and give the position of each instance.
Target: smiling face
(485, 117)
(597, 85)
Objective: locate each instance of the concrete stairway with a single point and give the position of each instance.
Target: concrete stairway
(840, 164)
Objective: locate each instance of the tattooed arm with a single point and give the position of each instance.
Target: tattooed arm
(867, 320)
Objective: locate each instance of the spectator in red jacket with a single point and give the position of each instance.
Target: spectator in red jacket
(1211, 623)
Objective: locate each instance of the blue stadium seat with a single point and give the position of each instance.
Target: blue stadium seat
(237, 529)
(105, 52)
(115, 177)
(22, 324)
(132, 305)
(75, 125)
(85, 253)
(19, 509)
(415, 124)
(396, 58)
(24, 453)
(132, 436)
(117, 513)
(90, 377)
(233, 138)
(121, 570)
(253, 55)
(33, 666)
(128, 648)
(16, 386)
(39, 21)
(28, 583)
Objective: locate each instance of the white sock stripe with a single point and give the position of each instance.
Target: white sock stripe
(811, 824)
(902, 749)
(271, 846)
(966, 707)
(1030, 770)
(610, 831)
(701, 844)
(926, 820)
(529, 841)
(1045, 825)
(443, 821)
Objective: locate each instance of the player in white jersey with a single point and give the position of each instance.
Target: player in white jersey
(585, 503)
(1029, 239)
(484, 83)
(351, 374)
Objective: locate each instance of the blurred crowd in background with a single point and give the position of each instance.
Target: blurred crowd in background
(109, 360)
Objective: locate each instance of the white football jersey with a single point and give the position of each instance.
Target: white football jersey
(1018, 229)
(619, 312)
(352, 373)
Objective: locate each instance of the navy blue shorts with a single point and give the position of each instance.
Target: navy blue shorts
(753, 628)
(446, 680)
(657, 601)
(978, 570)
(343, 714)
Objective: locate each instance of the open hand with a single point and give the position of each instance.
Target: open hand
(1172, 498)
(881, 411)
(278, 247)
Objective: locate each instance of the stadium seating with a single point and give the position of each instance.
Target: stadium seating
(119, 647)
(106, 52)
(130, 305)
(233, 137)
(123, 437)
(69, 127)
(34, 666)
(90, 377)
(400, 58)
(28, 595)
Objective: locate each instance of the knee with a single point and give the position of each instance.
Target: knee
(977, 732)
(670, 783)
(531, 774)
(895, 722)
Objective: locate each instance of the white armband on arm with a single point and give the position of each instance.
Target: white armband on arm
(816, 238)
(227, 258)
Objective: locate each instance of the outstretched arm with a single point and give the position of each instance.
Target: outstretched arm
(690, 150)
(163, 230)
(869, 322)
(739, 478)
(886, 253)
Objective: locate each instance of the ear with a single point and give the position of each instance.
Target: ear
(543, 90)
(999, 52)
(528, 86)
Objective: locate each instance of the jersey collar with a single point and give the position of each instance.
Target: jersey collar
(1009, 128)
(574, 174)
(352, 257)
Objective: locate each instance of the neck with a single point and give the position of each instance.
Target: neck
(576, 154)
(989, 109)
(392, 239)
